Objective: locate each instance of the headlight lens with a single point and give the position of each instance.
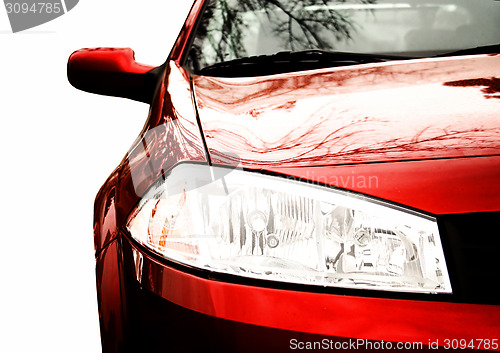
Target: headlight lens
(272, 228)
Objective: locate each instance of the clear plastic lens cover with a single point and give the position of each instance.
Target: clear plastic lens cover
(272, 228)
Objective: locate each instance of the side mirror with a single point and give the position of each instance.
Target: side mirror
(113, 72)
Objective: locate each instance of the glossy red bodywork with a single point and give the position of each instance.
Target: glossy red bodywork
(111, 71)
(368, 113)
(342, 126)
(426, 135)
(379, 319)
(437, 186)
(106, 59)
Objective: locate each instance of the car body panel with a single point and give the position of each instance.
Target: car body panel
(171, 135)
(357, 317)
(187, 29)
(436, 186)
(169, 124)
(391, 111)
(109, 297)
(342, 126)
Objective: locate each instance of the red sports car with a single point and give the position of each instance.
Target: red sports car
(312, 175)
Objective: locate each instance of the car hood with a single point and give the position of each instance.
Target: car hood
(417, 110)
(420, 109)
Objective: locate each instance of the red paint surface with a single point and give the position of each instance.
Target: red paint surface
(393, 111)
(325, 314)
(106, 59)
(188, 27)
(439, 186)
(109, 297)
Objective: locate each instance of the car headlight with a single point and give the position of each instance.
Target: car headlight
(259, 226)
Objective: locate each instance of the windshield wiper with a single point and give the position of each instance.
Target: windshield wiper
(289, 61)
(485, 49)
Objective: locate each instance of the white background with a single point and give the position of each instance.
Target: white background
(58, 145)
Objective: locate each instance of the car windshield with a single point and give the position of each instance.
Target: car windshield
(232, 31)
